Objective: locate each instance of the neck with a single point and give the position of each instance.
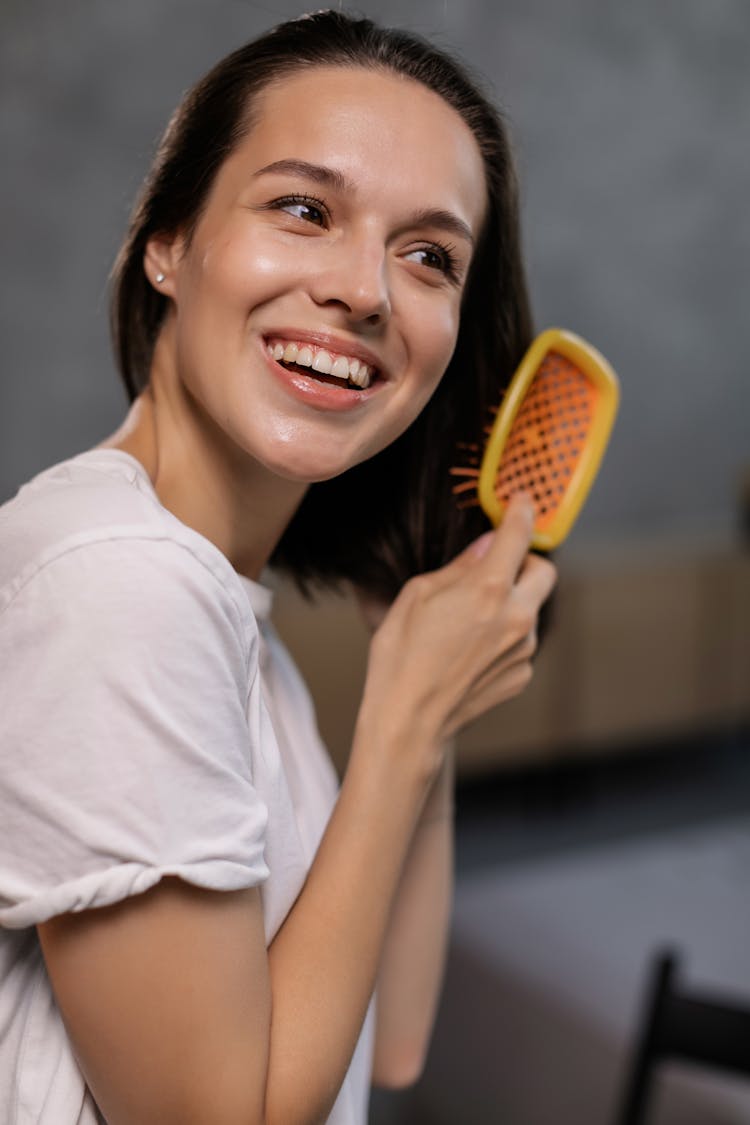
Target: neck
(219, 491)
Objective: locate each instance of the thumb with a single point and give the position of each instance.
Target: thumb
(520, 507)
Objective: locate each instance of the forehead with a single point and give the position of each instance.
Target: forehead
(386, 133)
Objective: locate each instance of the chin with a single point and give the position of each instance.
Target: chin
(300, 463)
(310, 475)
(304, 469)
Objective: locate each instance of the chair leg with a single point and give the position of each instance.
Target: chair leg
(639, 1082)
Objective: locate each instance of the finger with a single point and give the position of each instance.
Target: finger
(491, 691)
(504, 547)
(497, 684)
(506, 550)
(525, 649)
(522, 652)
(536, 580)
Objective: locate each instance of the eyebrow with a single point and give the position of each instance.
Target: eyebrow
(330, 177)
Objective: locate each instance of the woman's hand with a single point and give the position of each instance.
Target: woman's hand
(460, 640)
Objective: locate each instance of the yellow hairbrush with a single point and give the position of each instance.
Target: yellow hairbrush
(548, 437)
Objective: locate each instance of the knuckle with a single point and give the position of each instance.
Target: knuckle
(519, 680)
(524, 621)
(549, 570)
(525, 675)
(417, 588)
(492, 585)
(543, 566)
(483, 599)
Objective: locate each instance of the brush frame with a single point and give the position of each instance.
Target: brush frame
(595, 368)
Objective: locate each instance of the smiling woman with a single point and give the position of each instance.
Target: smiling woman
(320, 293)
(324, 251)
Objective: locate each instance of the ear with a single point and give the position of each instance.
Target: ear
(160, 259)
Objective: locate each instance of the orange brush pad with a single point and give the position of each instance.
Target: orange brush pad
(548, 437)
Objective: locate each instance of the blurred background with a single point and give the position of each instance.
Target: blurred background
(605, 814)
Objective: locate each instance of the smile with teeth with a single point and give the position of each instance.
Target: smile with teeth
(322, 361)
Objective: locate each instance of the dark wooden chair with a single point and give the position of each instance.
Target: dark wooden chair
(686, 1025)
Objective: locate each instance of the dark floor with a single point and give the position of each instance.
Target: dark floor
(578, 804)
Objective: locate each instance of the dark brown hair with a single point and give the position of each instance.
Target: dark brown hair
(392, 516)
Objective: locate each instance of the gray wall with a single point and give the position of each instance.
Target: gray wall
(632, 125)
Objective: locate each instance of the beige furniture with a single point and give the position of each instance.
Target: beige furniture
(649, 640)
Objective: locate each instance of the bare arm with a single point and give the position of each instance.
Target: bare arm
(175, 1009)
(411, 967)
(415, 946)
(168, 997)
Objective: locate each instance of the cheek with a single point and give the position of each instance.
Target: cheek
(430, 355)
(239, 271)
(438, 342)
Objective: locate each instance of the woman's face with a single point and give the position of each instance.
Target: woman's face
(332, 252)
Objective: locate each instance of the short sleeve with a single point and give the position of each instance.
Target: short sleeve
(127, 691)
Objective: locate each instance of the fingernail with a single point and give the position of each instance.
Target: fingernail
(481, 546)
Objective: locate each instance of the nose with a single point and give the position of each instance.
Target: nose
(354, 278)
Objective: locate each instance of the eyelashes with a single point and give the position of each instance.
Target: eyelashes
(437, 256)
(303, 202)
(446, 259)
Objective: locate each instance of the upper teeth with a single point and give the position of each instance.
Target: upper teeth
(340, 366)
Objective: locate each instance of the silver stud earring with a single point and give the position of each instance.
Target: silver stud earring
(159, 278)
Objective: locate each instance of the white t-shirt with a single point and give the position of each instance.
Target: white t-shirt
(151, 724)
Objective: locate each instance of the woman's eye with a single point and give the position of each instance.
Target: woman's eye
(435, 258)
(310, 210)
